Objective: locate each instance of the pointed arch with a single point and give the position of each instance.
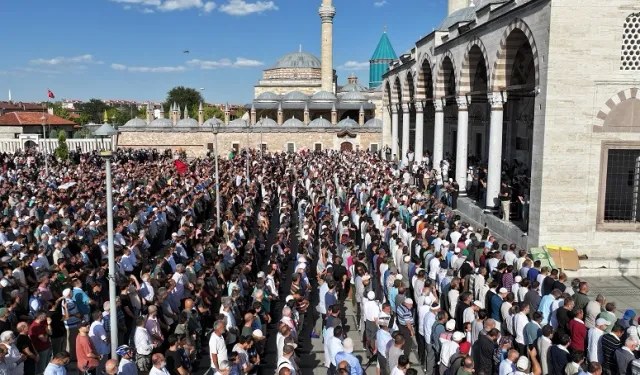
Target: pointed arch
(507, 51)
(474, 54)
(396, 90)
(624, 108)
(446, 76)
(387, 93)
(409, 88)
(425, 86)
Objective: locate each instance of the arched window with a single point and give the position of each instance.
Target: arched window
(630, 55)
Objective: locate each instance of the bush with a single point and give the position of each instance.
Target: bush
(62, 152)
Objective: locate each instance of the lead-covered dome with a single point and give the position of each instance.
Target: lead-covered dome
(239, 123)
(353, 87)
(214, 121)
(320, 122)
(187, 123)
(135, 123)
(298, 60)
(374, 122)
(467, 14)
(348, 122)
(323, 96)
(266, 122)
(353, 96)
(295, 96)
(161, 123)
(293, 122)
(268, 96)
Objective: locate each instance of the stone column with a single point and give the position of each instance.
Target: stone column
(419, 132)
(394, 130)
(494, 169)
(438, 134)
(462, 144)
(406, 118)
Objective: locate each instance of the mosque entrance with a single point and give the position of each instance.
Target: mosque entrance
(346, 146)
(30, 145)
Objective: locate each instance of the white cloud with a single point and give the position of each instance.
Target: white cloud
(83, 59)
(38, 70)
(147, 69)
(150, 6)
(354, 65)
(242, 8)
(240, 62)
(379, 4)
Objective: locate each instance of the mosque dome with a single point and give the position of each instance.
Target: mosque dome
(323, 96)
(238, 123)
(320, 122)
(295, 96)
(298, 60)
(350, 87)
(187, 123)
(266, 122)
(135, 123)
(353, 96)
(348, 122)
(268, 96)
(374, 122)
(467, 14)
(293, 122)
(214, 121)
(161, 123)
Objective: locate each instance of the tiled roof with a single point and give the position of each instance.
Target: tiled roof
(18, 106)
(31, 118)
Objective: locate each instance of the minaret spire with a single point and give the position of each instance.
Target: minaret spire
(327, 11)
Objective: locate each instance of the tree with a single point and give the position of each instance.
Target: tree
(211, 112)
(59, 110)
(93, 109)
(239, 112)
(82, 119)
(62, 152)
(185, 96)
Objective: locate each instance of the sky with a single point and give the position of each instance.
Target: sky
(134, 49)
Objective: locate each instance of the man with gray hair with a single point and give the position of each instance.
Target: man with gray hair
(230, 320)
(217, 346)
(13, 356)
(625, 355)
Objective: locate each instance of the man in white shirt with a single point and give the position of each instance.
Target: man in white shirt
(143, 344)
(520, 320)
(159, 365)
(335, 347)
(594, 346)
(448, 349)
(217, 347)
(507, 364)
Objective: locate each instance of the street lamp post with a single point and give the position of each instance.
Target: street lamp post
(44, 144)
(248, 151)
(214, 128)
(105, 131)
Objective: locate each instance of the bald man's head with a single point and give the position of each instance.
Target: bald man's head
(111, 367)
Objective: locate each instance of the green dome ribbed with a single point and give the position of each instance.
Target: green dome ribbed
(384, 50)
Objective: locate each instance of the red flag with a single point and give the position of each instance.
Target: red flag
(50, 94)
(181, 167)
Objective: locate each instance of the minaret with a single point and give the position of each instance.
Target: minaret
(161, 111)
(174, 114)
(334, 115)
(227, 114)
(327, 12)
(149, 113)
(186, 112)
(361, 116)
(253, 114)
(200, 115)
(280, 114)
(306, 114)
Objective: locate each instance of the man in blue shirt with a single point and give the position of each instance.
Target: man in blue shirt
(383, 338)
(496, 304)
(347, 356)
(57, 364)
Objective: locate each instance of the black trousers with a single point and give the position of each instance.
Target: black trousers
(408, 342)
(421, 348)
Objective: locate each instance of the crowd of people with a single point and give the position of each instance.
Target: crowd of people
(301, 237)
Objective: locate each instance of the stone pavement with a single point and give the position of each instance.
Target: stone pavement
(624, 291)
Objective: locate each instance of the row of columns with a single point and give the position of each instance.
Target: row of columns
(494, 170)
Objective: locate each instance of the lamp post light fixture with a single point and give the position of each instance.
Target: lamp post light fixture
(105, 131)
(214, 129)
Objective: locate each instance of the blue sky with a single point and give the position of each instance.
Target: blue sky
(133, 49)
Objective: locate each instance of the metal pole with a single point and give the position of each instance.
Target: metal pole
(217, 184)
(44, 151)
(248, 149)
(113, 315)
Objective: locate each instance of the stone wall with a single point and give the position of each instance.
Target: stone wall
(288, 73)
(583, 74)
(196, 144)
(308, 89)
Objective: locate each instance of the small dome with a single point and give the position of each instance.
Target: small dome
(238, 123)
(214, 121)
(268, 96)
(348, 122)
(374, 122)
(187, 123)
(135, 123)
(295, 96)
(298, 60)
(353, 96)
(320, 122)
(266, 122)
(323, 96)
(293, 122)
(353, 87)
(467, 14)
(161, 123)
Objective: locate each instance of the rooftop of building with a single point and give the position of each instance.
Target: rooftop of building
(32, 119)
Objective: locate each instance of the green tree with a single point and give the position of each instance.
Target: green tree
(93, 109)
(62, 152)
(53, 134)
(184, 96)
(59, 110)
(239, 112)
(82, 119)
(211, 112)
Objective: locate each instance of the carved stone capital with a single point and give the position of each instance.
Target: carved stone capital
(405, 107)
(463, 103)
(439, 106)
(394, 108)
(419, 106)
(497, 99)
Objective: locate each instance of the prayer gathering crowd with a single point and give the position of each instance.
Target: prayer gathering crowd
(301, 237)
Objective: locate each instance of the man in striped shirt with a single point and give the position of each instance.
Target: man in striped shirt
(405, 324)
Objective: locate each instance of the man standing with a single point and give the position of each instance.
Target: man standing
(346, 355)
(39, 333)
(144, 346)
(594, 344)
(99, 339)
(217, 346)
(58, 363)
(405, 324)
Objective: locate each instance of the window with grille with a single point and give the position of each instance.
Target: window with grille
(630, 56)
(318, 147)
(291, 147)
(210, 146)
(236, 147)
(264, 147)
(622, 184)
(373, 147)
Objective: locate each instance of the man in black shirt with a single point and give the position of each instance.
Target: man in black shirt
(173, 357)
(505, 201)
(340, 276)
(549, 282)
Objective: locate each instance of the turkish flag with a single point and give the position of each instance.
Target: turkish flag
(50, 94)
(181, 167)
